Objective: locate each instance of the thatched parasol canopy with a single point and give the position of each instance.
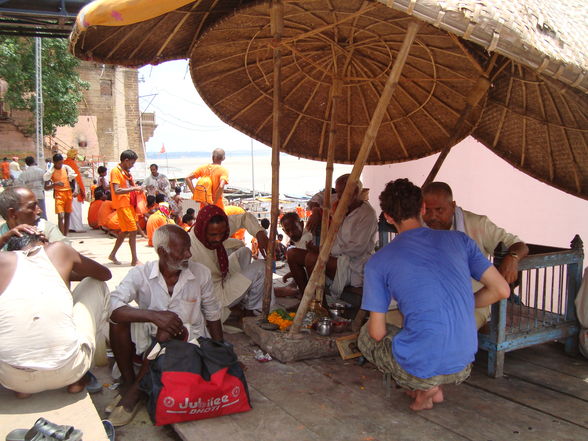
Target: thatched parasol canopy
(355, 43)
(534, 114)
(134, 33)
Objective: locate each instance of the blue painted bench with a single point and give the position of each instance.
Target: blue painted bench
(541, 306)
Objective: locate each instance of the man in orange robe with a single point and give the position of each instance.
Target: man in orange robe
(121, 187)
(76, 223)
(217, 174)
(61, 178)
(95, 207)
(159, 218)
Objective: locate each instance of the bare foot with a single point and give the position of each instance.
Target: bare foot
(78, 386)
(21, 395)
(130, 398)
(136, 263)
(114, 260)
(411, 393)
(438, 397)
(424, 399)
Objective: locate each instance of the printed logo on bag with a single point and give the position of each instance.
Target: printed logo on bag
(186, 396)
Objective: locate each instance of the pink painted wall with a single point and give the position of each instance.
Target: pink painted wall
(484, 183)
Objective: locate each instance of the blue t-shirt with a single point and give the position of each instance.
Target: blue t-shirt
(428, 272)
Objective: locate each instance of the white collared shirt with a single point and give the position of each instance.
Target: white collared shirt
(192, 298)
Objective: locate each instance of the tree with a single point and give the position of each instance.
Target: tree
(62, 86)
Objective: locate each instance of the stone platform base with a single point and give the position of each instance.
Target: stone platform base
(285, 348)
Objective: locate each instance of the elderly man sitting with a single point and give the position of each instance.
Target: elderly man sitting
(20, 209)
(175, 300)
(443, 214)
(354, 244)
(235, 278)
(47, 333)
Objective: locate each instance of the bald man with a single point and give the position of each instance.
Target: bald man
(442, 213)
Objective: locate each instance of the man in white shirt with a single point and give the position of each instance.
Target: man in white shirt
(32, 178)
(175, 300)
(442, 213)
(156, 183)
(293, 227)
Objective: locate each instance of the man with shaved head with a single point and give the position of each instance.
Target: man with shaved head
(213, 179)
(442, 213)
(20, 209)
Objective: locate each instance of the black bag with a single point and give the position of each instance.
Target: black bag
(186, 382)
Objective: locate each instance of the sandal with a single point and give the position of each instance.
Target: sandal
(44, 430)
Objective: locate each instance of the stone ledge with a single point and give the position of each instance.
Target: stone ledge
(283, 347)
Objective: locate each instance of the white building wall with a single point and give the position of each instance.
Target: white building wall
(484, 183)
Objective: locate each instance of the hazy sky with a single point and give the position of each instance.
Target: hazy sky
(184, 121)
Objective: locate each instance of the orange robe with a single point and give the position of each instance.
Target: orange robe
(93, 213)
(82, 193)
(155, 221)
(107, 217)
(233, 209)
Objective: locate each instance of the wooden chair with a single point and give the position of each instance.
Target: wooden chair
(541, 307)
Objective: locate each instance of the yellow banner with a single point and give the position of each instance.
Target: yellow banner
(125, 12)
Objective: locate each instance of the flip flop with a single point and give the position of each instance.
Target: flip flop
(121, 417)
(112, 405)
(94, 386)
(109, 429)
(44, 430)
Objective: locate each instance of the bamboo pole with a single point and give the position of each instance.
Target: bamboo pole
(336, 94)
(277, 27)
(360, 161)
(475, 96)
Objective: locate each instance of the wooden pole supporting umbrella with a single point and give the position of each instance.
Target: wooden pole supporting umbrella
(336, 94)
(277, 25)
(351, 186)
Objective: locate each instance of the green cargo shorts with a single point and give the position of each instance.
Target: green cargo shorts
(380, 354)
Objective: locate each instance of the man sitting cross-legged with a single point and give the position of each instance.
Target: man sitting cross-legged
(47, 333)
(236, 280)
(354, 244)
(175, 300)
(428, 273)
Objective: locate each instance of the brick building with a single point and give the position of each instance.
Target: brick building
(109, 119)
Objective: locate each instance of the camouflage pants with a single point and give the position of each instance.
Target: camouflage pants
(380, 354)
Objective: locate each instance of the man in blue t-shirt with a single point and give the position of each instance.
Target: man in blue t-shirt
(428, 272)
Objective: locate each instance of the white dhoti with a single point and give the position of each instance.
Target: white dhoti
(252, 298)
(90, 311)
(75, 219)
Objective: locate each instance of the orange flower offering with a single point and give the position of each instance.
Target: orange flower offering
(281, 318)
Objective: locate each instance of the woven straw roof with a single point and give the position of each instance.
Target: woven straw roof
(534, 114)
(232, 68)
(99, 37)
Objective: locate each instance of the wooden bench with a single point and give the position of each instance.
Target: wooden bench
(541, 306)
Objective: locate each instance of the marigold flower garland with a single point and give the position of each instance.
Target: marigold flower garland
(281, 318)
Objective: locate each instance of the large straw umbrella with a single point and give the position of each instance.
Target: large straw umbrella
(538, 50)
(134, 33)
